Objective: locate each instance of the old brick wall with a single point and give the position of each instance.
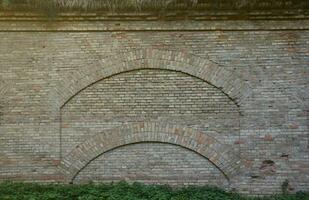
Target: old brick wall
(243, 89)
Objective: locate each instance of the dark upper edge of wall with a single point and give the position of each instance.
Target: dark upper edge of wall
(175, 9)
(153, 5)
(203, 17)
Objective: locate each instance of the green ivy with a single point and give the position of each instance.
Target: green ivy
(125, 191)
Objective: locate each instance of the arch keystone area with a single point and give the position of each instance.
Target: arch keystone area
(222, 156)
(225, 80)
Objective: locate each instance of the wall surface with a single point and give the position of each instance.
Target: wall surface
(199, 102)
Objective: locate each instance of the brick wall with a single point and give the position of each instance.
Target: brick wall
(252, 76)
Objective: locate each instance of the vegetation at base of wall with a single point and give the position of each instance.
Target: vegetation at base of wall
(125, 191)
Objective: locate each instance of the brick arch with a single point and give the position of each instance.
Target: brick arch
(228, 82)
(222, 156)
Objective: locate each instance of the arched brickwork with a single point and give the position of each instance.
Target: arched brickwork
(228, 82)
(223, 157)
(152, 162)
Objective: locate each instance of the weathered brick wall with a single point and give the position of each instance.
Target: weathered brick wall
(40, 72)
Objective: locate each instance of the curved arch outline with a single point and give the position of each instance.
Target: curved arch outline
(222, 156)
(228, 82)
(227, 178)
